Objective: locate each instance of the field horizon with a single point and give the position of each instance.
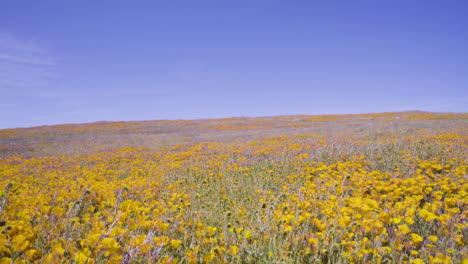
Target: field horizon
(184, 129)
(241, 117)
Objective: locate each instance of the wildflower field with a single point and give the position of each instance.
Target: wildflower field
(370, 188)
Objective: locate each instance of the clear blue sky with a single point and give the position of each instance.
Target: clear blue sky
(84, 61)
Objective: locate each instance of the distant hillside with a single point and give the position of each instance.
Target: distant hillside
(70, 139)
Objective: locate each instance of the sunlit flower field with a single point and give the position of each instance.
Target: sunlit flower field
(374, 188)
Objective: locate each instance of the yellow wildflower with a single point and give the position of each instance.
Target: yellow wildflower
(416, 239)
(175, 243)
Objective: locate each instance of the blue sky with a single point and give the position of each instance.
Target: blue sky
(85, 61)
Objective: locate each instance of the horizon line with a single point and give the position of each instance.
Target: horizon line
(229, 117)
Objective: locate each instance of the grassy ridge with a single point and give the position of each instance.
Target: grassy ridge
(374, 188)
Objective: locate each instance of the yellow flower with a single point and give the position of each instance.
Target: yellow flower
(441, 259)
(161, 240)
(116, 259)
(233, 250)
(319, 224)
(19, 243)
(80, 257)
(191, 256)
(175, 243)
(164, 226)
(6, 260)
(32, 254)
(111, 245)
(58, 249)
(428, 216)
(137, 241)
(52, 258)
(313, 241)
(433, 238)
(404, 229)
(211, 230)
(416, 239)
(208, 257)
(417, 261)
